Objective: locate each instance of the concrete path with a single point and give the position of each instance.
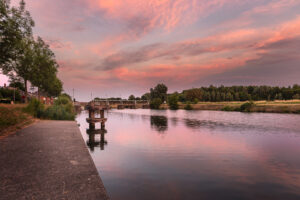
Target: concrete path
(48, 160)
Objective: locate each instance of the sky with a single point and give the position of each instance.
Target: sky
(122, 47)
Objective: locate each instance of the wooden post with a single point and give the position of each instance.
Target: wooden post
(92, 126)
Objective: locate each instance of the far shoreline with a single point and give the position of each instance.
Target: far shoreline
(278, 106)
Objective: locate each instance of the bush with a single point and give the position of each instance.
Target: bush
(195, 101)
(228, 108)
(35, 108)
(246, 107)
(9, 94)
(61, 110)
(188, 107)
(173, 102)
(58, 112)
(155, 103)
(62, 100)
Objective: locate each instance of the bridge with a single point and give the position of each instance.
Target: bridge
(119, 104)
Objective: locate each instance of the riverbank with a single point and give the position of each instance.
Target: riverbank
(50, 161)
(13, 118)
(290, 106)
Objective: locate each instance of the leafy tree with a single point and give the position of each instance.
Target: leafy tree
(160, 91)
(155, 103)
(192, 94)
(22, 67)
(146, 96)
(45, 67)
(131, 97)
(15, 25)
(188, 106)
(17, 84)
(173, 101)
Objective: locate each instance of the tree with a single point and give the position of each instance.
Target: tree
(160, 91)
(131, 97)
(296, 96)
(15, 25)
(55, 88)
(22, 67)
(45, 67)
(146, 96)
(17, 84)
(173, 101)
(155, 103)
(192, 94)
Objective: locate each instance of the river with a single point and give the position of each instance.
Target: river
(163, 154)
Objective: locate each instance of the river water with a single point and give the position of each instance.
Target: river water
(165, 154)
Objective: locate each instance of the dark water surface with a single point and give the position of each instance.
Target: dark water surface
(211, 155)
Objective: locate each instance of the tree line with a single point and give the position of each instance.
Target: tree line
(25, 58)
(159, 94)
(240, 93)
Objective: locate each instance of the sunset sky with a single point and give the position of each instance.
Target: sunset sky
(123, 47)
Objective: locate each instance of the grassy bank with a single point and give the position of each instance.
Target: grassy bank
(290, 106)
(12, 118)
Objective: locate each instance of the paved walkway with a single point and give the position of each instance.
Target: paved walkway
(48, 160)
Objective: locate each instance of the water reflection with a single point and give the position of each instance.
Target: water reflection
(159, 123)
(205, 154)
(93, 142)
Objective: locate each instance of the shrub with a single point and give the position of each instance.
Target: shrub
(58, 112)
(10, 94)
(246, 107)
(173, 102)
(188, 107)
(228, 108)
(195, 101)
(61, 110)
(35, 108)
(62, 100)
(155, 103)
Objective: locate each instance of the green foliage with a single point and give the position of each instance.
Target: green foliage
(296, 96)
(15, 25)
(160, 91)
(17, 85)
(21, 56)
(240, 93)
(35, 108)
(61, 110)
(155, 103)
(58, 112)
(131, 97)
(173, 102)
(188, 107)
(146, 96)
(246, 107)
(192, 94)
(9, 94)
(67, 96)
(62, 100)
(229, 108)
(196, 101)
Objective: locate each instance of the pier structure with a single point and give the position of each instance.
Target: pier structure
(93, 142)
(93, 108)
(96, 107)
